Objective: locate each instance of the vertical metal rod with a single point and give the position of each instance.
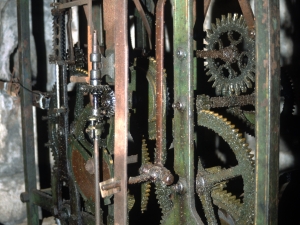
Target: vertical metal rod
(26, 107)
(247, 13)
(101, 35)
(89, 33)
(267, 110)
(159, 79)
(97, 191)
(121, 109)
(57, 85)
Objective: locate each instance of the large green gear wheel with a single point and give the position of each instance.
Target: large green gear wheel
(240, 72)
(242, 213)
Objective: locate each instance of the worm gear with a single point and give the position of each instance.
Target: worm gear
(208, 180)
(233, 72)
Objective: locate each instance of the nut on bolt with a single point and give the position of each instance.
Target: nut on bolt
(177, 105)
(178, 188)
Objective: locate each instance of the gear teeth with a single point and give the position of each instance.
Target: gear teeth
(241, 20)
(214, 27)
(209, 32)
(251, 77)
(218, 22)
(209, 73)
(238, 81)
(248, 82)
(85, 72)
(235, 17)
(145, 187)
(223, 19)
(163, 196)
(130, 202)
(241, 212)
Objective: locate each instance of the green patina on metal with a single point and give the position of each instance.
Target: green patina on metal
(183, 211)
(267, 110)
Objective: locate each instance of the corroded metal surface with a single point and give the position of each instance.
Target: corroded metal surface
(206, 180)
(248, 14)
(26, 107)
(159, 43)
(183, 210)
(83, 178)
(267, 110)
(234, 73)
(206, 102)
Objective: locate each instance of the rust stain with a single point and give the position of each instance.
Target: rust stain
(266, 61)
(264, 103)
(83, 178)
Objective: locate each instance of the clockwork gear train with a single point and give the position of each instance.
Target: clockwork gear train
(120, 150)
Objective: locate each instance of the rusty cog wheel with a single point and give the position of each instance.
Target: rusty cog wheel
(233, 76)
(211, 182)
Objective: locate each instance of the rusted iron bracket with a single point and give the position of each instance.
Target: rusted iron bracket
(205, 102)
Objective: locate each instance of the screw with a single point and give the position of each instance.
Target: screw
(178, 188)
(181, 54)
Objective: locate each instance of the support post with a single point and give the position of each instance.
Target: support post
(267, 25)
(121, 109)
(26, 108)
(183, 211)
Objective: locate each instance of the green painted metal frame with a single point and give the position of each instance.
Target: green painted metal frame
(26, 109)
(267, 110)
(184, 211)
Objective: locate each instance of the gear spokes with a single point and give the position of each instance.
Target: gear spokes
(229, 55)
(210, 181)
